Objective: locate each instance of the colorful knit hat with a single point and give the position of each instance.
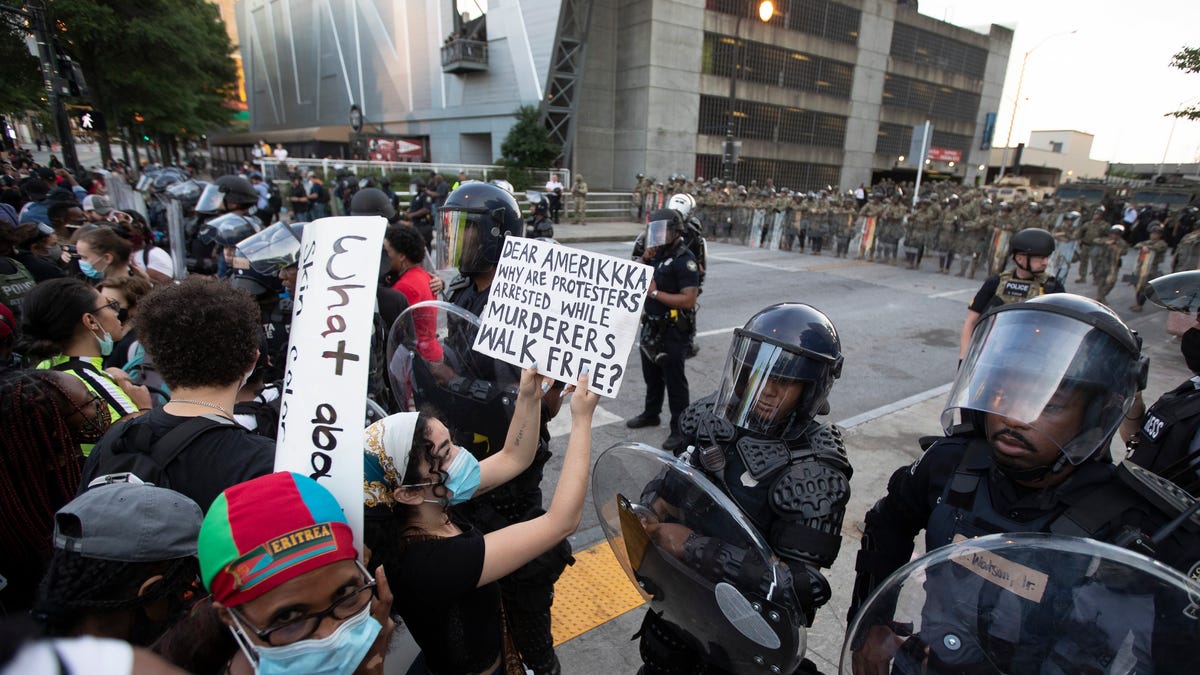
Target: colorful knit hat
(269, 530)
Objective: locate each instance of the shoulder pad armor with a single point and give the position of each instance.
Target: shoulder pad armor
(827, 444)
(763, 456)
(811, 490)
(1164, 495)
(698, 420)
(457, 284)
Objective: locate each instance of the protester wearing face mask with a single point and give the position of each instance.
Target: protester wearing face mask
(37, 248)
(15, 279)
(124, 564)
(155, 261)
(44, 417)
(445, 569)
(202, 336)
(104, 254)
(278, 557)
(69, 326)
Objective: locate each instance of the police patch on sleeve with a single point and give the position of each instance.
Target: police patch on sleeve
(691, 265)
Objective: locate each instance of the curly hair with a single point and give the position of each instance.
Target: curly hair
(134, 288)
(200, 333)
(50, 313)
(388, 534)
(405, 240)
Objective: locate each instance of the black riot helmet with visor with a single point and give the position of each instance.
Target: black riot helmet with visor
(659, 227)
(472, 225)
(234, 190)
(228, 229)
(779, 371)
(272, 249)
(1064, 367)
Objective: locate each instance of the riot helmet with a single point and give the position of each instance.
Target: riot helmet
(261, 286)
(503, 184)
(1063, 368)
(660, 226)
(227, 190)
(779, 371)
(228, 229)
(473, 222)
(187, 192)
(1034, 242)
(682, 203)
(272, 249)
(372, 201)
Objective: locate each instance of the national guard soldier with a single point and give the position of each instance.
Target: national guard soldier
(1088, 232)
(842, 226)
(1030, 250)
(665, 317)
(1107, 252)
(872, 209)
(1151, 254)
(1187, 253)
(639, 196)
(891, 228)
(579, 192)
(818, 222)
(758, 440)
(916, 232)
(799, 221)
(948, 228)
(1028, 423)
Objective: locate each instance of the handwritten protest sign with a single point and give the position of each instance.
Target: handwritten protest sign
(325, 386)
(564, 309)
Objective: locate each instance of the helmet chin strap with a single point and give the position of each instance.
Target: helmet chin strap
(1027, 267)
(1032, 475)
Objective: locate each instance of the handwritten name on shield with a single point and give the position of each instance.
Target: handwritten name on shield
(325, 385)
(564, 309)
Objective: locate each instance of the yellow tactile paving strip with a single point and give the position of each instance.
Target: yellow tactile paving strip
(590, 592)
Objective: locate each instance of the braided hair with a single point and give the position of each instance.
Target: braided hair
(40, 467)
(50, 313)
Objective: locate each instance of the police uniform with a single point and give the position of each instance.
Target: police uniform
(1169, 436)
(665, 333)
(955, 490)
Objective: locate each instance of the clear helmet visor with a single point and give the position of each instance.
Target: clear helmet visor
(211, 200)
(457, 241)
(1179, 292)
(186, 191)
(271, 250)
(228, 229)
(1057, 378)
(658, 232)
(766, 389)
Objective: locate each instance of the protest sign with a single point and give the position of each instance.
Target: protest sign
(325, 387)
(564, 309)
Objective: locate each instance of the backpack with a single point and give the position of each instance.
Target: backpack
(134, 454)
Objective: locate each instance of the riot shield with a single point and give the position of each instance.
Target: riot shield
(698, 561)
(1179, 292)
(1028, 603)
(431, 365)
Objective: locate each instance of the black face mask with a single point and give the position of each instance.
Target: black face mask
(1189, 344)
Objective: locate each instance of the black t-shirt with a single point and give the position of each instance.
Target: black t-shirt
(983, 300)
(41, 268)
(299, 206)
(214, 461)
(456, 623)
(319, 194)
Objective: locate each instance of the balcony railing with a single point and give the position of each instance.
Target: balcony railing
(464, 56)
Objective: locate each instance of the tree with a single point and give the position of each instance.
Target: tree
(1187, 60)
(23, 88)
(528, 143)
(168, 61)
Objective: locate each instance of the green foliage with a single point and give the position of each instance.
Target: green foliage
(1187, 60)
(527, 143)
(167, 60)
(23, 89)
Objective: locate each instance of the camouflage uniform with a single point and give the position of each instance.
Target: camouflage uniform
(1093, 229)
(1187, 253)
(872, 209)
(842, 219)
(818, 224)
(1158, 251)
(639, 196)
(891, 228)
(1106, 263)
(947, 235)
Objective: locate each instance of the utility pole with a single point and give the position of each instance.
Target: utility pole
(39, 24)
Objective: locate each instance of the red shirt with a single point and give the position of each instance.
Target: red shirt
(414, 284)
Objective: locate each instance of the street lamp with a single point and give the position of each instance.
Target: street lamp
(766, 10)
(1017, 99)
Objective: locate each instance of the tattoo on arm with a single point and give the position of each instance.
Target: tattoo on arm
(520, 434)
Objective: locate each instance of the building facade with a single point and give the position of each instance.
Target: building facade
(1067, 151)
(825, 92)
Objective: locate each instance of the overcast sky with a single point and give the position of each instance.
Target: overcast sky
(1112, 78)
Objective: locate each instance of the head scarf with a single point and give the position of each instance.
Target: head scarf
(385, 457)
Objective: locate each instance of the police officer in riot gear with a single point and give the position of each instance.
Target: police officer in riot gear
(1029, 418)
(693, 235)
(472, 226)
(1030, 250)
(233, 201)
(757, 439)
(665, 323)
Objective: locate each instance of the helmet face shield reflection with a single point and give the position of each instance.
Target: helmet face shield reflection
(273, 249)
(211, 200)
(458, 242)
(657, 233)
(1064, 379)
(767, 389)
(228, 229)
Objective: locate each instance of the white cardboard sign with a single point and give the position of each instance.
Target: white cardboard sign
(564, 309)
(325, 386)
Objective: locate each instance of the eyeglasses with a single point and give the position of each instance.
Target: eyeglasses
(111, 304)
(302, 628)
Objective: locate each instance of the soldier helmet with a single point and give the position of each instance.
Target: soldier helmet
(682, 204)
(1059, 350)
(1073, 215)
(779, 371)
(1117, 229)
(372, 202)
(1034, 206)
(1006, 206)
(474, 221)
(641, 176)
(1154, 227)
(953, 197)
(1033, 241)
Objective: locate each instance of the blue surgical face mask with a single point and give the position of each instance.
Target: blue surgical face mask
(90, 270)
(462, 476)
(339, 653)
(106, 344)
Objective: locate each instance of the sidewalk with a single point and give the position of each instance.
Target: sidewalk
(565, 233)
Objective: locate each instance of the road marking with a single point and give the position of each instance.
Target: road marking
(948, 294)
(716, 331)
(863, 418)
(755, 264)
(561, 425)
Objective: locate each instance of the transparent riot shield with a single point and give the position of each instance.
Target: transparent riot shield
(1178, 292)
(177, 238)
(431, 365)
(1028, 603)
(698, 561)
